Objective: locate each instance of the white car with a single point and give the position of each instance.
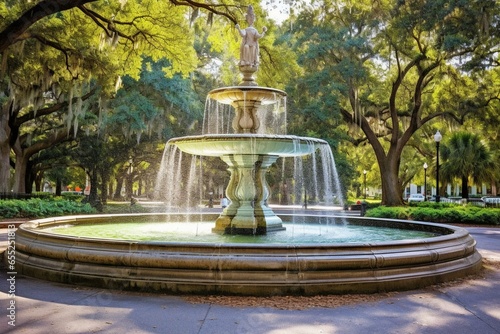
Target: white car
(416, 198)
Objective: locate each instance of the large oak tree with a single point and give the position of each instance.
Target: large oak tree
(54, 53)
(383, 66)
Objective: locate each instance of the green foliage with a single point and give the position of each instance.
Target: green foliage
(154, 104)
(38, 208)
(62, 58)
(72, 196)
(378, 67)
(465, 156)
(440, 213)
(397, 212)
(42, 195)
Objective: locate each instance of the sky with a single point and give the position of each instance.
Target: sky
(277, 9)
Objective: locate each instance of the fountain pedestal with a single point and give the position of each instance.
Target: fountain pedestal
(248, 191)
(248, 71)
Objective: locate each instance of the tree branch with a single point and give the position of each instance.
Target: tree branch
(49, 110)
(13, 32)
(208, 7)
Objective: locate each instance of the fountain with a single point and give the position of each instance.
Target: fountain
(229, 266)
(247, 154)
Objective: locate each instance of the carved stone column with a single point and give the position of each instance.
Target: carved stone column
(245, 118)
(248, 191)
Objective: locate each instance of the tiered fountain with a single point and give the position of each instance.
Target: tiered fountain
(248, 155)
(285, 266)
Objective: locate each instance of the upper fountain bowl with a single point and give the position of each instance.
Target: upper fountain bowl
(230, 144)
(264, 95)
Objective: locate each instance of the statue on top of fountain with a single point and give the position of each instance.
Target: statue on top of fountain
(249, 49)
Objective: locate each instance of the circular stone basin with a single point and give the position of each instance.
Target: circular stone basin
(294, 234)
(264, 95)
(228, 144)
(245, 268)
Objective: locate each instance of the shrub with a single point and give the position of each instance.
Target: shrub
(440, 213)
(388, 212)
(38, 208)
(487, 217)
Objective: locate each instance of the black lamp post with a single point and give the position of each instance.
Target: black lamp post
(425, 181)
(437, 139)
(364, 184)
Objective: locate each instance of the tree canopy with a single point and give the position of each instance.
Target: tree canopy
(54, 54)
(381, 66)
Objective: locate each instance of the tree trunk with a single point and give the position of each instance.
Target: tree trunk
(104, 186)
(110, 189)
(93, 186)
(392, 193)
(465, 187)
(119, 185)
(129, 181)
(4, 151)
(58, 186)
(38, 182)
(30, 178)
(20, 173)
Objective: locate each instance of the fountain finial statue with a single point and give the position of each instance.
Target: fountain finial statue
(249, 49)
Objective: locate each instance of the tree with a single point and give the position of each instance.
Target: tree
(467, 158)
(378, 64)
(48, 60)
(154, 105)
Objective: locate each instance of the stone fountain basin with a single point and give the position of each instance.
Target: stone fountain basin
(245, 269)
(242, 144)
(263, 95)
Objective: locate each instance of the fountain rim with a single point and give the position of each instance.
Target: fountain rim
(221, 137)
(258, 94)
(246, 89)
(37, 227)
(245, 269)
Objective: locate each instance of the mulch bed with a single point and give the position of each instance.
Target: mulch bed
(329, 301)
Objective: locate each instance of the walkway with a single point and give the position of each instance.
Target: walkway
(469, 306)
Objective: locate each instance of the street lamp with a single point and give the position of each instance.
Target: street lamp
(364, 184)
(425, 181)
(437, 139)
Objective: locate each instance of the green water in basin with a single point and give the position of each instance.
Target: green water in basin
(201, 232)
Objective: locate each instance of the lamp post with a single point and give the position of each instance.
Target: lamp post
(437, 139)
(364, 184)
(425, 181)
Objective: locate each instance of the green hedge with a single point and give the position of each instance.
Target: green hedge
(440, 213)
(38, 208)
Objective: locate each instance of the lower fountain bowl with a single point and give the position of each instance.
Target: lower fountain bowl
(244, 144)
(245, 269)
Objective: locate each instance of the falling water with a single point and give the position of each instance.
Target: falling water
(176, 188)
(261, 139)
(218, 117)
(273, 118)
(333, 186)
(166, 180)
